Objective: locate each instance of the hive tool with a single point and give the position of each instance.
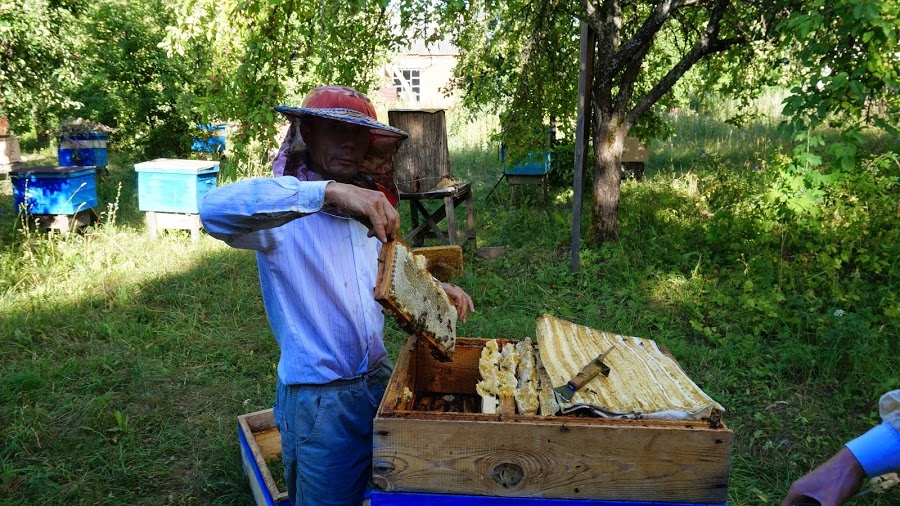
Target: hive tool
(589, 372)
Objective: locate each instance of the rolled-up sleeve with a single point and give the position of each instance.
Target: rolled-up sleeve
(878, 450)
(247, 214)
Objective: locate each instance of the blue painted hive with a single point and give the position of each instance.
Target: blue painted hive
(211, 138)
(54, 190)
(535, 164)
(167, 185)
(83, 150)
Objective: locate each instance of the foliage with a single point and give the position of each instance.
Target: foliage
(130, 83)
(38, 61)
(846, 64)
(258, 54)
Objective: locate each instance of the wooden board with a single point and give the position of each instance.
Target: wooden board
(511, 455)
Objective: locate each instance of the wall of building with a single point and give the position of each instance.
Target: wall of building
(433, 64)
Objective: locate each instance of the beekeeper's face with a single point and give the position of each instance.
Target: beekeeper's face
(337, 148)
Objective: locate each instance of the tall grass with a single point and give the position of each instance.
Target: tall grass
(125, 360)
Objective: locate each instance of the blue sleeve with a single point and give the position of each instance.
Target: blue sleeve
(247, 214)
(878, 450)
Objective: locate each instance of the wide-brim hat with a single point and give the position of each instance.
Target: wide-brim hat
(342, 103)
(379, 131)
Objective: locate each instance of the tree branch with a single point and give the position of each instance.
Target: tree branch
(708, 43)
(640, 42)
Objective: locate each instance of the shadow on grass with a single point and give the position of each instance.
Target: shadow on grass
(131, 393)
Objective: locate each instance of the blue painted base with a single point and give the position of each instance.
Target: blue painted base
(83, 157)
(209, 145)
(212, 138)
(380, 498)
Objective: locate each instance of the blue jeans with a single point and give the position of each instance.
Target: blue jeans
(326, 437)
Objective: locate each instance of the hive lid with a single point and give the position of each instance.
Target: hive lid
(177, 166)
(53, 170)
(644, 381)
(415, 299)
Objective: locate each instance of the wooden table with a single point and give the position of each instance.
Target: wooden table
(426, 223)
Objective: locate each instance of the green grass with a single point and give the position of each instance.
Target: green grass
(125, 360)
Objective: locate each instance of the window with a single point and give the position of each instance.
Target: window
(408, 85)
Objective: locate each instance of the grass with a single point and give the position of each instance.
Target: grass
(125, 360)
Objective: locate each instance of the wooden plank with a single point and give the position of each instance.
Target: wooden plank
(639, 462)
(457, 376)
(582, 126)
(401, 379)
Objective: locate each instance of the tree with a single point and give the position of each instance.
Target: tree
(259, 53)
(846, 68)
(38, 60)
(643, 49)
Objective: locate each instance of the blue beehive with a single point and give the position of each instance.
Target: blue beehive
(54, 190)
(212, 139)
(83, 150)
(535, 164)
(168, 185)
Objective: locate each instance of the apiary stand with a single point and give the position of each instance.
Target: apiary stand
(425, 223)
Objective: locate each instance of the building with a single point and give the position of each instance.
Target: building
(419, 76)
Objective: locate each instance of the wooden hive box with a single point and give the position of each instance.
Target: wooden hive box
(81, 150)
(54, 190)
(9, 150)
(424, 158)
(260, 442)
(430, 437)
(174, 186)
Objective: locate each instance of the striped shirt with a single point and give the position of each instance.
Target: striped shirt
(317, 272)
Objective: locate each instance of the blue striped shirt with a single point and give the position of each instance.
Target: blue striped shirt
(317, 272)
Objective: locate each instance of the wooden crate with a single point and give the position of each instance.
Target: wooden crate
(429, 439)
(9, 150)
(261, 441)
(52, 190)
(83, 150)
(168, 185)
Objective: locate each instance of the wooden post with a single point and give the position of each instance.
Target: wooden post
(583, 124)
(424, 158)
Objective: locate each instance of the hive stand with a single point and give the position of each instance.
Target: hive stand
(426, 224)
(157, 221)
(64, 223)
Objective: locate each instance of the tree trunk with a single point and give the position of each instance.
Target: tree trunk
(608, 143)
